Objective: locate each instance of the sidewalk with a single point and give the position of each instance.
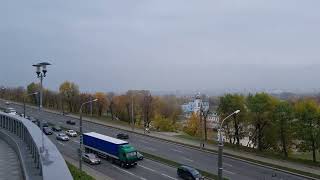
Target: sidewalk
(208, 147)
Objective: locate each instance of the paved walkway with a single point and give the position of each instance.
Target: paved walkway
(9, 163)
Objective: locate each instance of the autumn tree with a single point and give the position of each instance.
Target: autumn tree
(69, 91)
(32, 88)
(228, 104)
(192, 125)
(283, 116)
(308, 126)
(260, 107)
(102, 102)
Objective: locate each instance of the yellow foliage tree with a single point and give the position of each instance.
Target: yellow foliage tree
(192, 125)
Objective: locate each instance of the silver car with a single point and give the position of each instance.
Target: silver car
(71, 133)
(62, 137)
(91, 158)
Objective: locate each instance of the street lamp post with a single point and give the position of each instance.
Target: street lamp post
(24, 103)
(81, 132)
(41, 75)
(41, 70)
(220, 150)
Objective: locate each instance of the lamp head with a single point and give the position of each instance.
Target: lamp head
(95, 100)
(237, 111)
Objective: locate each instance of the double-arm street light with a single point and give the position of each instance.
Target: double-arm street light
(24, 102)
(41, 70)
(81, 132)
(220, 152)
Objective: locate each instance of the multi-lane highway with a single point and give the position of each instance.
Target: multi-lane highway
(233, 169)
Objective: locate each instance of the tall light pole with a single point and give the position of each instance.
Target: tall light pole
(24, 102)
(81, 132)
(220, 151)
(41, 70)
(41, 75)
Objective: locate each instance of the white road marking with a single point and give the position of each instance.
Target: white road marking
(168, 176)
(177, 150)
(61, 143)
(228, 172)
(227, 164)
(129, 173)
(147, 168)
(76, 141)
(190, 160)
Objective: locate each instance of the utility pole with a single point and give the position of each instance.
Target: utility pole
(132, 118)
(91, 106)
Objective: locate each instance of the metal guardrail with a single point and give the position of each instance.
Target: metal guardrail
(46, 156)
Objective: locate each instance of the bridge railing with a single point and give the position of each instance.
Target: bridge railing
(46, 156)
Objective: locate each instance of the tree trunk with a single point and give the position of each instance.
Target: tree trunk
(236, 131)
(259, 137)
(314, 151)
(111, 110)
(283, 141)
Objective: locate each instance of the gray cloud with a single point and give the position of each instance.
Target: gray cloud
(162, 45)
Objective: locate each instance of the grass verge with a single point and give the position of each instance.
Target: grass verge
(76, 174)
(175, 164)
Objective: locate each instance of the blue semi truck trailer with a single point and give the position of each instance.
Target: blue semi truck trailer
(116, 150)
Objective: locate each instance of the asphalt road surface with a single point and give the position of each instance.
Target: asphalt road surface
(206, 161)
(146, 169)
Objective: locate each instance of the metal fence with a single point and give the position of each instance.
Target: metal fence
(45, 155)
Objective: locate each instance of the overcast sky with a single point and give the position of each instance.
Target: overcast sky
(117, 45)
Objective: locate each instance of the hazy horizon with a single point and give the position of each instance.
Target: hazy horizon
(163, 45)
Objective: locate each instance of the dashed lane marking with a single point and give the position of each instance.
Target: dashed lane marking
(147, 168)
(187, 159)
(129, 173)
(168, 176)
(61, 143)
(228, 172)
(177, 150)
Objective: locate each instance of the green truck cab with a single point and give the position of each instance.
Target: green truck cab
(127, 155)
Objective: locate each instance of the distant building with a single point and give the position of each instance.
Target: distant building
(195, 105)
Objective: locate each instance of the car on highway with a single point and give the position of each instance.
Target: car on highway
(122, 136)
(62, 137)
(45, 124)
(71, 122)
(11, 111)
(91, 158)
(71, 133)
(56, 128)
(190, 173)
(140, 156)
(47, 131)
(7, 103)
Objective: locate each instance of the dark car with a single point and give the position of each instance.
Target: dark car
(122, 136)
(45, 124)
(91, 158)
(190, 173)
(56, 128)
(140, 156)
(71, 122)
(47, 131)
